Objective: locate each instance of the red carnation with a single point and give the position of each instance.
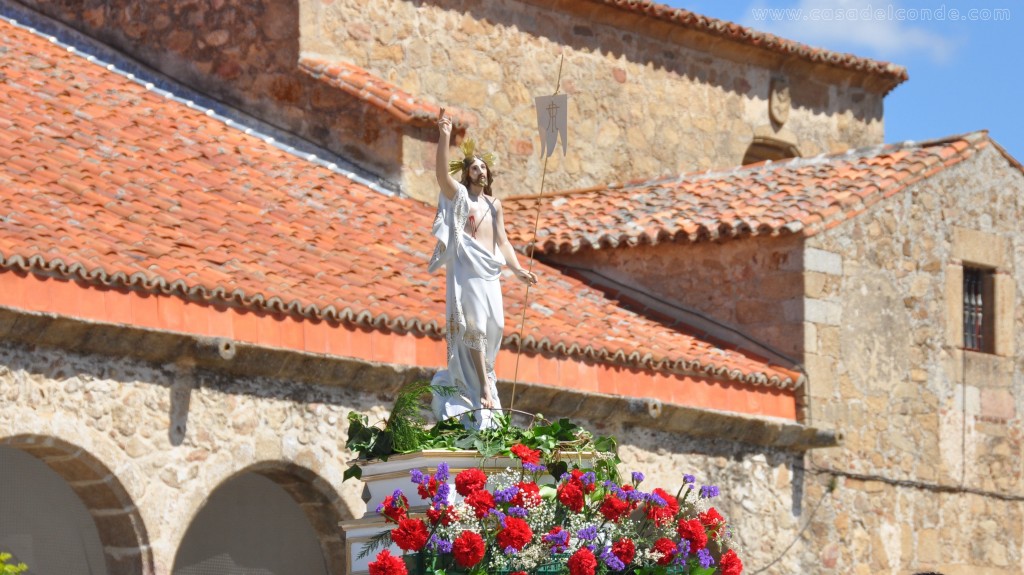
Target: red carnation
(570, 494)
(429, 489)
(582, 562)
(469, 481)
(410, 535)
(526, 454)
(516, 534)
(730, 563)
(446, 515)
(387, 564)
(713, 521)
(468, 549)
(528, 496)
(662, 515)
(482, 502)
(667, 548)
(625, 550)
(613, 508)
(519, 573)
(693, 531)
(394, 509)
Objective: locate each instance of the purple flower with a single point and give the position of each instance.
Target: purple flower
(396, 496)
(511, 550)
(499, 515)
(519, 512)
(682, 551)
(588, 533)
(633, 495)
(444, 492)
(506, 495)
(442, 472)
(439, 544)
(613, 562)
(655, 499)
(559, 541)
(689, 479)
(533, 467)
(704, 556)
(588, 478)
(637, 477)
(708, 491)
(418, 477)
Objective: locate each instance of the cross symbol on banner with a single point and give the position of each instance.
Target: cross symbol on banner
(552, 121)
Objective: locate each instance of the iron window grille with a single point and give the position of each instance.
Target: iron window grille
(977, 309)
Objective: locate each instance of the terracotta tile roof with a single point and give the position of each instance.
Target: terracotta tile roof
(359, 83)
(106, 183)
(895, 74)
(801, 196)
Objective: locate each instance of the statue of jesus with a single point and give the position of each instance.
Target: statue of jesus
(472, 246)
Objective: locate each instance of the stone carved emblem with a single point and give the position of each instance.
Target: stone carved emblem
(778, 100)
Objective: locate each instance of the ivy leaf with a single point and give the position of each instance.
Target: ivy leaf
(353, 471)
(606, 444)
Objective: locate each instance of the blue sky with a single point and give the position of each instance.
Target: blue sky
(965, 75)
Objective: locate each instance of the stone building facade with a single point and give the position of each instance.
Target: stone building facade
(865, 286)
(165, 410)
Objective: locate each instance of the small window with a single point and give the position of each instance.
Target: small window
(764, 148)
(978, 317)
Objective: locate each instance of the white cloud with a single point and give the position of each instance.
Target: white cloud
(884, 29)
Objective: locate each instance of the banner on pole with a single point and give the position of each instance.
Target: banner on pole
(552, 121)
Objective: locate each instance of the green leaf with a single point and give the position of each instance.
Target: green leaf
(382, 539)
(557, 469)
(606, 444)
(354, 471)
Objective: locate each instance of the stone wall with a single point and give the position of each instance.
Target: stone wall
(754, 285)
(933, 432)
(646, 98)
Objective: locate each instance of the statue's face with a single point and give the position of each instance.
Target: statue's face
(478, 172)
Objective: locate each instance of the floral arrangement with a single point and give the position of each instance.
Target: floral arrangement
(585, 523)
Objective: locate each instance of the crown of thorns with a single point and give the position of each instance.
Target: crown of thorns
(469, 151)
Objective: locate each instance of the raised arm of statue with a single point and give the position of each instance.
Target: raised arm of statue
(444, 179)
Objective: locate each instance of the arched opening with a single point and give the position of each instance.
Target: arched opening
(263, 522)
(63, 511)
(766, 148)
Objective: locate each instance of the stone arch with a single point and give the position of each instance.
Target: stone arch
(319, 503)
(120, 526)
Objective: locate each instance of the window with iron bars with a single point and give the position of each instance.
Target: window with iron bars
(978, 299)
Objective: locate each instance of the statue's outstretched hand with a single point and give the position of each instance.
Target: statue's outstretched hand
(525, 276)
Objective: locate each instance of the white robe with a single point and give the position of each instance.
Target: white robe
(473, 310)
